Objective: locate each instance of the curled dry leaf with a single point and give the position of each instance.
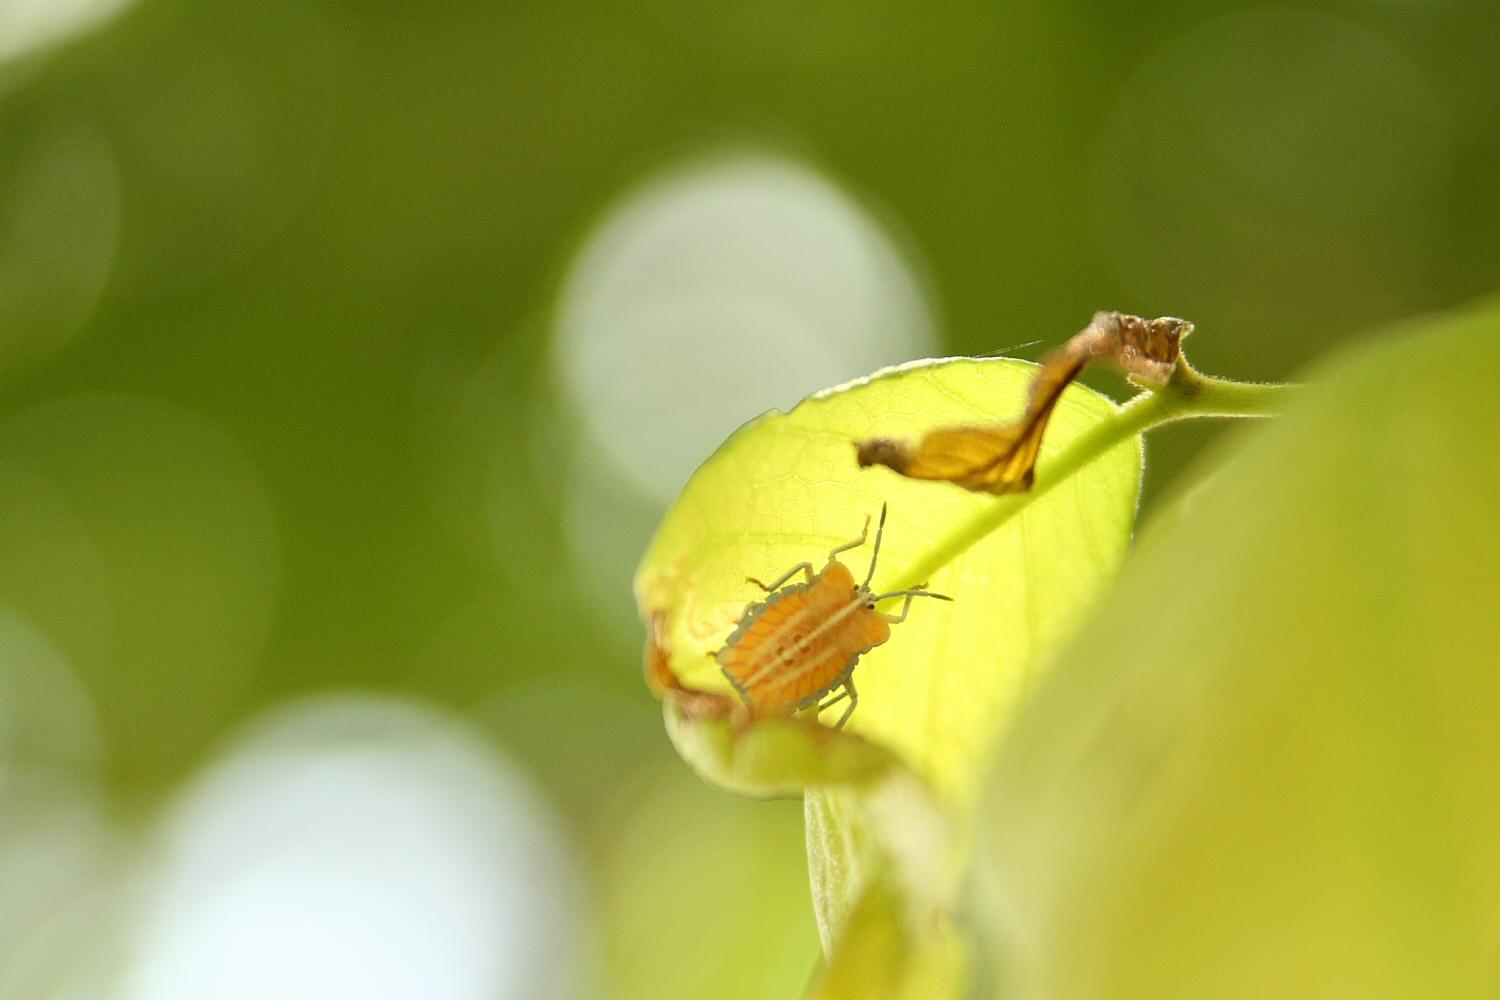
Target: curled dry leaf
(691, 703)
(1001, 458)
(756, 755)
(1145, 349)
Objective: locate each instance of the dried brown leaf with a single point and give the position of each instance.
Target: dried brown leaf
(694, 703)
(1001, 458)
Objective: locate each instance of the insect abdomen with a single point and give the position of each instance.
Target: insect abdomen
(799, 646)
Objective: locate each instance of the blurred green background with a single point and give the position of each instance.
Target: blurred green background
(350, 351)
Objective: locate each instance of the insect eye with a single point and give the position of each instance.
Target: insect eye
(870, 605)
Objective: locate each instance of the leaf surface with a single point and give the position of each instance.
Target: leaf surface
(786, 488)
(1269, 766)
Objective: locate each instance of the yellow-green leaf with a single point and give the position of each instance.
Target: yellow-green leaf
(775, 756)
(891, 957)
(1271, 767)
(1021, 569)
(786, 488)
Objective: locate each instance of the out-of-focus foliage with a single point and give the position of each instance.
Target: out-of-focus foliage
(1269, 767)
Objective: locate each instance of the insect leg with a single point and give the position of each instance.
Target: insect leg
(856, 543)
(805, 568)
(905, 607)
(853, 700)
(875, 553)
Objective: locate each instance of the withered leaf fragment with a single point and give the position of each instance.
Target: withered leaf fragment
(666, 685)
(1001, 458)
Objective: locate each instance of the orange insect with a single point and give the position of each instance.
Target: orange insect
(803, 641)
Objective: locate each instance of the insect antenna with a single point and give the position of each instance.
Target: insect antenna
(910, 593)
(875, 554)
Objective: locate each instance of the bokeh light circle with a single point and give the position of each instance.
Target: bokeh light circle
(718, 291)
(359, 847)
(49, 737)
(59, 226)
(711, 294)
(151, 559)
(28, 26)
(220, 139)
(56, 846)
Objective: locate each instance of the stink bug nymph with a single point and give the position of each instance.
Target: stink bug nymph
(802, 642)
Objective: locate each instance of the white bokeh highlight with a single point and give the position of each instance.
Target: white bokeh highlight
(359, 848)
(716, 292)
(49, 735)
(56, 845)
(30, 25)
(711, 294)
(141, 538)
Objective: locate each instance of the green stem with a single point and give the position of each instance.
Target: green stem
(1194, 394)
(1187, 395)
